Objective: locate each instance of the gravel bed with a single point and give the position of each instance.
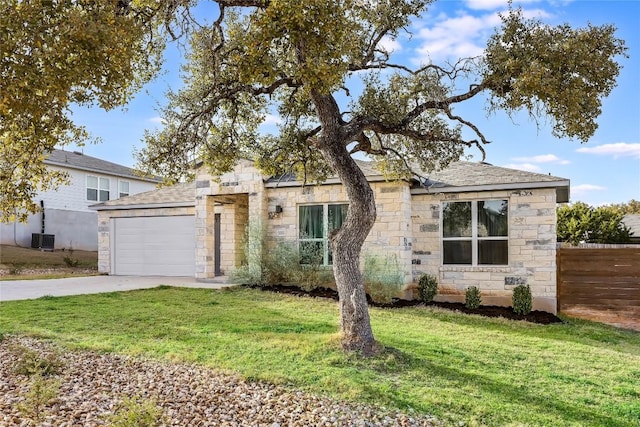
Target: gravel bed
(92, 386)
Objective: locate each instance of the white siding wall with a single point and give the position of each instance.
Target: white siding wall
(69, 205)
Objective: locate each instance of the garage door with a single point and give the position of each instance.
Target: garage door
(154, 246)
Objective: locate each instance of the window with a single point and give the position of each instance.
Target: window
(475, 233)
(97, 188)
(124, 188)
(315, 224)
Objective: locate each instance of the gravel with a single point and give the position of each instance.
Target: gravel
(93, 385)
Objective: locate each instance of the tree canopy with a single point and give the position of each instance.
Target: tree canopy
(55, 54)
(321, 66)
(581, 223)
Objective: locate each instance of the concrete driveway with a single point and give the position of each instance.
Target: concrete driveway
(12, 290)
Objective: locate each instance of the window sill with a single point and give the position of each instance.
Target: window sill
(478, 268)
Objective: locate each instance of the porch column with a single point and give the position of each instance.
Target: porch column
(204, 228)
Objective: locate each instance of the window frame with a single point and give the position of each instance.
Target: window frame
(120, 192)
(99, 188)
(475, 239)
(324, 240)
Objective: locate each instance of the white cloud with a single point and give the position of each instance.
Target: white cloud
(619, 149)
(390, 45)
(585, 188)
(524, 167)
(157, 120)
(494, 4)
(462, 36)
(272, 119)
(543, 158)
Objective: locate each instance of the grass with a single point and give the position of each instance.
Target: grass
(457, 367)
(17, 261)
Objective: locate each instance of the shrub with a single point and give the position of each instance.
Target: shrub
(472, 298)
(42, 391)
(522, 299)
(427, 287)
(32, 363)
(136, 412)
(382, 277)
(71, 262)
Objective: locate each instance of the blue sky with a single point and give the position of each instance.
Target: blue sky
(604, 170)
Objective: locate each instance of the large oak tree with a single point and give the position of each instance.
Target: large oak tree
(322, 66)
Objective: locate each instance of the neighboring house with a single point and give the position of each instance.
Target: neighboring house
(471, 224)
(65, 211)
(632, 221)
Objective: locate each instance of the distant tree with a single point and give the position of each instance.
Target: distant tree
(299, 58)
(631, 207)
(580, 222)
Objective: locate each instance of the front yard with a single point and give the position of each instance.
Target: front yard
(456, 367)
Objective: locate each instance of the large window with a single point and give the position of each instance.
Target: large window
(97, 189)
(315, 224)
(475, 233)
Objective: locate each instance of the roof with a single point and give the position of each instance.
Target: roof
(80, 161)
(460, 177)
(457, 177)
(178, 195)
(632, 221)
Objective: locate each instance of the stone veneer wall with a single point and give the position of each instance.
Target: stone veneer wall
(242, 196)
(391, 233)
(532, 249)
(104, 228)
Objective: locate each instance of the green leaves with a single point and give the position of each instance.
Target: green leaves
(54, 54)
(557, 71)
(580, 222)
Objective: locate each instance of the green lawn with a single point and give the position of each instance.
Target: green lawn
(490, 372)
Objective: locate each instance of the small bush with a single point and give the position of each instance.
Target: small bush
(472, 298)
(71, 262)
(382, 277)
(427, 287)
(522, 299)
(42, 392)
(32, 363)
(15, 270)
(136, 412)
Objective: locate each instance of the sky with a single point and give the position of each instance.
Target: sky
(604, 170)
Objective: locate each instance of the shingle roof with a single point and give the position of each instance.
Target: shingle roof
(463, 174)
(76, 160)
(182, 194)
(633, 222)
(457, 177)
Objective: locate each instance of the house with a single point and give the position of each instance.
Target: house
(65, 211)
(632, 221)
(470, 224)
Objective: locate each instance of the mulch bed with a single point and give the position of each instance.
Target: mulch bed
(540, 317)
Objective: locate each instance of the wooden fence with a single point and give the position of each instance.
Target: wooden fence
(599, 278)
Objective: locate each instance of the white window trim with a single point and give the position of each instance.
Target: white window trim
(325, 228)
(98, 188)
(120, 193)
(474, 234)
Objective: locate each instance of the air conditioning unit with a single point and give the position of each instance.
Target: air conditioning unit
(43, 241)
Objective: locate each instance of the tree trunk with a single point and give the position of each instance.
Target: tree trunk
(346, 245)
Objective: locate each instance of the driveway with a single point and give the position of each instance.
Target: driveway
(12, 290)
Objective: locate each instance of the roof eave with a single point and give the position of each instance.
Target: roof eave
(562, 188)
(103, 207)
(104, 172)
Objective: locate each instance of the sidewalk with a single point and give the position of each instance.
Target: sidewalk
(12, 290)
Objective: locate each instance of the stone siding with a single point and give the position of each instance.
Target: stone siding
(532, 249)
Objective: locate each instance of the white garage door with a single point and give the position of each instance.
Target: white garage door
(154, 246)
